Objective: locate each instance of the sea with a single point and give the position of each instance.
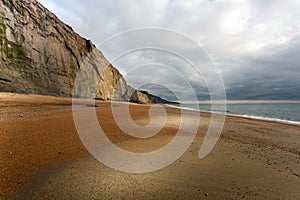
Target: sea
(279, 112)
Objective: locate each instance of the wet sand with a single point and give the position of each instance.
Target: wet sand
(42, 157)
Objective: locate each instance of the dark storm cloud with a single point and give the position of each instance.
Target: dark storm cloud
(272, 73)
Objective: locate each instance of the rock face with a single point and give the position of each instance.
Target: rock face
(145, 97)
(42, 55)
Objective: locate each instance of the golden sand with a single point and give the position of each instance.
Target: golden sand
(42, 157)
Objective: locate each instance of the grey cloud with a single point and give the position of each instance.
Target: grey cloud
(272, 73)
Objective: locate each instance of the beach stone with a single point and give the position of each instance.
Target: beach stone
(92, 105)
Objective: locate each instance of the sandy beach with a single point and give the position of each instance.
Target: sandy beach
(42, 156)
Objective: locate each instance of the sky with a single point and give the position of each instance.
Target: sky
(248, 47)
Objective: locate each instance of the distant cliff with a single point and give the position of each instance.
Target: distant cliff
(42, 55)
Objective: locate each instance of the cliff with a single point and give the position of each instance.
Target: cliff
(42, 55)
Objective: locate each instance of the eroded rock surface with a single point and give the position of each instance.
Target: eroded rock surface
(42, 55)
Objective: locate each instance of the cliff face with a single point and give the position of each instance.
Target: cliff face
(40, 54)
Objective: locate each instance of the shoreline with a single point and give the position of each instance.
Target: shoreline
(42, 156)
(245, 116)
(244, 102)
(87, 100)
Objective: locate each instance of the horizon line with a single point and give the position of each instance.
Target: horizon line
(238, 101)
